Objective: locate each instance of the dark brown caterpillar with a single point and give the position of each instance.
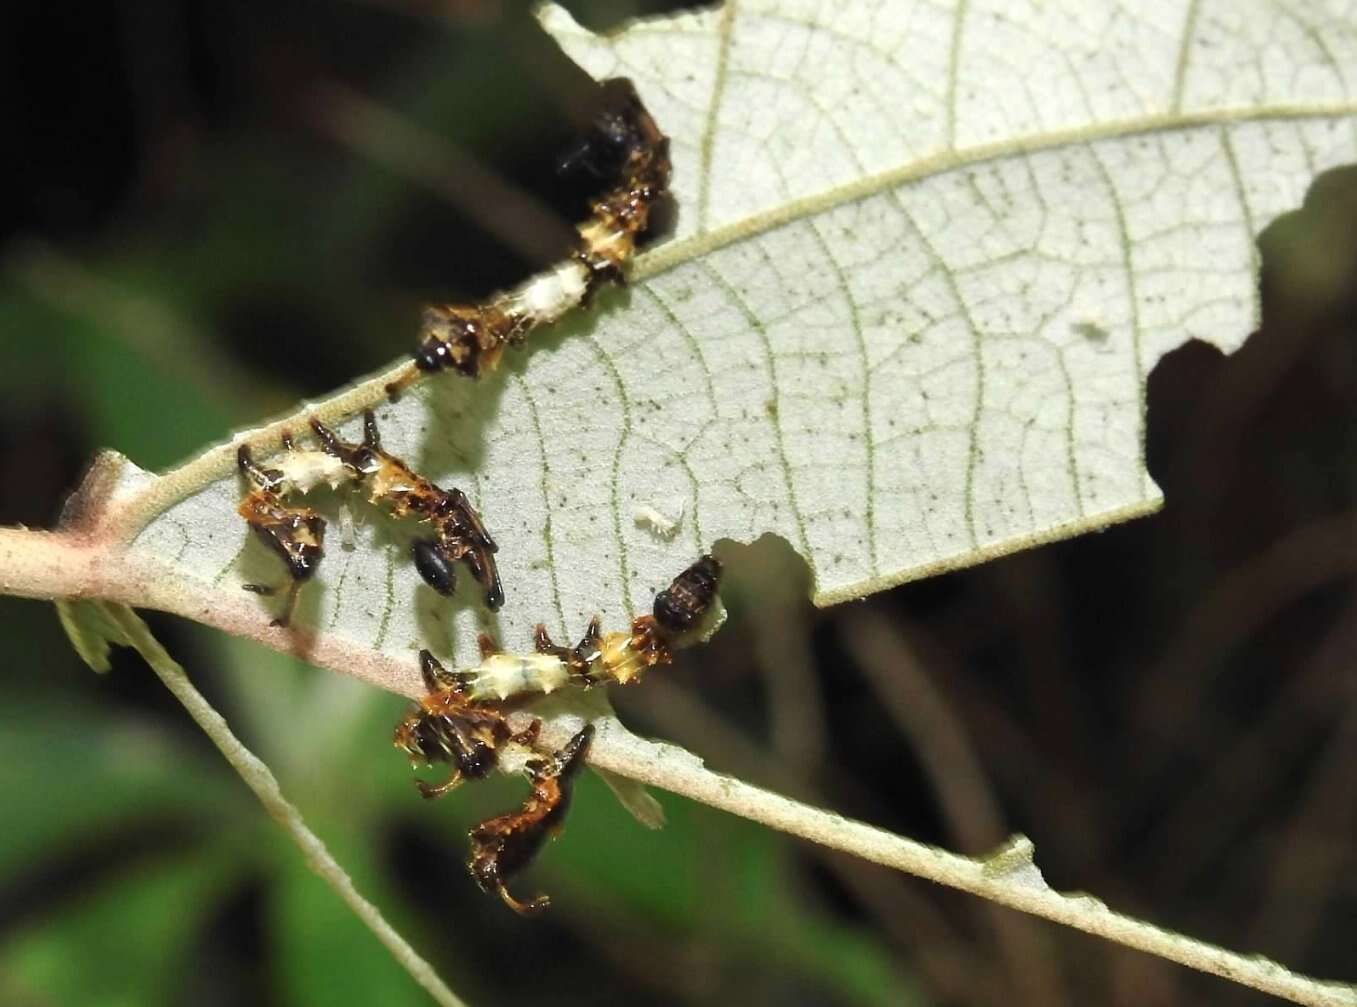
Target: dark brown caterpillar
(683, 603)
(458, 533)
(297, 533)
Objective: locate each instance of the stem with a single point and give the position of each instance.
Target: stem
(1009, 877)
(45, 564)
(265, 786)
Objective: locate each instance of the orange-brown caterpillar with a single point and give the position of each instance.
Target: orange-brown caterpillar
(448, 726)
(504, 845)
(625, 147)
(462, 720)
(297, 533)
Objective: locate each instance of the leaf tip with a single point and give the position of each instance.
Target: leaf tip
(90, 629)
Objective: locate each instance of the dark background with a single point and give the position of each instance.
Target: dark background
(213, 210)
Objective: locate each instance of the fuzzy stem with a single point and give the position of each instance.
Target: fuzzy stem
(45, 564)
(1008, 877)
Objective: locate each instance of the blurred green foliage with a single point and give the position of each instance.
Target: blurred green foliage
(260, 254)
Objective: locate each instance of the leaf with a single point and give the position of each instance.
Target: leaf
(924, 261)
(91, 632)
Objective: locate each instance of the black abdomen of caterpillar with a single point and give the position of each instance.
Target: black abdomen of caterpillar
(446, 739)
(679, 606)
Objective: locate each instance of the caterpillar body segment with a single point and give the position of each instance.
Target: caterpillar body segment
(296, 534)
(624, 142)
(680, 606)
(502, 676)
(470, 338)
(298, 471)
(446, 727)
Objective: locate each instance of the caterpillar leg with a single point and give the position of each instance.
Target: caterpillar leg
(544, 644)
(429, 791)
(437, 678)
(434, 558)
(460, 535)
(360, 458)
(264, 479)
(485, 571)
(284, 617)
(501, 847)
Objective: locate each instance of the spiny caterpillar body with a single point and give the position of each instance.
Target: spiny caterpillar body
(624, 148)
(612, 657)
(297, 533)
(462, 719)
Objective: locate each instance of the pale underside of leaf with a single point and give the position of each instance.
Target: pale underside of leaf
(926, 257)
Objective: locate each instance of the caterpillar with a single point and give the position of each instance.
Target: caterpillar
(620, 657)
(623, 147)
(502, 846)
(297, 533)
(462, 719)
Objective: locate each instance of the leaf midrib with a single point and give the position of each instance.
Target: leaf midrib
(677, 253)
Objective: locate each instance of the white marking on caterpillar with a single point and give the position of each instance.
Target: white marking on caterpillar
(500, 676)
(546, 298)
(616, 658)
(304, 470)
